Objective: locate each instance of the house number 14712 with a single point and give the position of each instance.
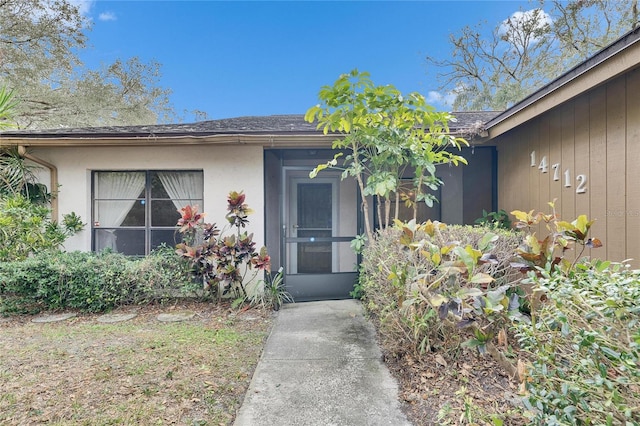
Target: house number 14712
(543, 166)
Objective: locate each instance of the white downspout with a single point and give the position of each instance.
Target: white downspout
(22, 151)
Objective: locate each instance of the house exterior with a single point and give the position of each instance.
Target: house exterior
(577, 141)
(128, 183)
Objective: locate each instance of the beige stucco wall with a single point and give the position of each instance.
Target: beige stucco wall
(225, 168)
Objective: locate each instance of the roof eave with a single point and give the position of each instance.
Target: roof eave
(268, 140)
(273, 140)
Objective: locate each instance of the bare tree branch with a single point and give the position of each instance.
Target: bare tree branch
(527, 49)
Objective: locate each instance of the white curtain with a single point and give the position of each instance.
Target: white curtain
(183, 187)
(116, 193)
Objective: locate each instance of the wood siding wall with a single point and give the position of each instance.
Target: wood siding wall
(596, 135)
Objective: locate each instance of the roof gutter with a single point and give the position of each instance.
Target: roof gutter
(266, 140)
(22, 151)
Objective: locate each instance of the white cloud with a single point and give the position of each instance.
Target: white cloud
(434, 97)
(107, 16)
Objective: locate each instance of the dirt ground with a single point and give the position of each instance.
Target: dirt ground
(473, 390)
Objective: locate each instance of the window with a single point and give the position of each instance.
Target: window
(136, 211)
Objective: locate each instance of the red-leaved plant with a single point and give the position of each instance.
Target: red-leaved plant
(221, 261)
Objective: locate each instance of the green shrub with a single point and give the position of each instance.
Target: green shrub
(88, 281)
(26, 228)
(226, 259)
(411, 271)
(549, 253)
(163, 275)
(584, 346)
(494, 220)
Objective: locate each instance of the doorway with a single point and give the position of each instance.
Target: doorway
(320, 218)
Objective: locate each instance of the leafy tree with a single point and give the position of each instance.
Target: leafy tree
(385, 134)
(39, 44)
(527, 50)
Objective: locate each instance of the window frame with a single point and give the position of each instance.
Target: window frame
(148, 203)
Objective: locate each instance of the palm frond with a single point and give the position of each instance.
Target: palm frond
(8, 104)
(15, 172)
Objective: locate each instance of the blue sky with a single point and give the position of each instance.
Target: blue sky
(240, 58)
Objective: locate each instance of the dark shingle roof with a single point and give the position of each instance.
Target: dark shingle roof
(262, 125)
(471, 122)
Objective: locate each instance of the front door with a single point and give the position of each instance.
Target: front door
(319, 223)
(313, 211)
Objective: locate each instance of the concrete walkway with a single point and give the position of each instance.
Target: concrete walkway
(321, 366)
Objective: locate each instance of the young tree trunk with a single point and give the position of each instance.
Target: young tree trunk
(415, 198)
(365, 203)
(387, 211)
(365, 209)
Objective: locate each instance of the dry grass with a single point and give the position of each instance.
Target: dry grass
(82, 372)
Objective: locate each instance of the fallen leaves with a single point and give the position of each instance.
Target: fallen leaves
(440, 360)
(431, 387)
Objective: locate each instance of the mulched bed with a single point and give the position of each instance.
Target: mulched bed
(467, 391)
